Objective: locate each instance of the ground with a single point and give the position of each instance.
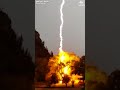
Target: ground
(57, 88)
(40, 86)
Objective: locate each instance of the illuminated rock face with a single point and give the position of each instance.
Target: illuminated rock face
(63, 66)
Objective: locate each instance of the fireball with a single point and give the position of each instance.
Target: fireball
(63, 64)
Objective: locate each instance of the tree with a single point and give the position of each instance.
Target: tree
(73, 83)
(40, 49)
(54, 78)
(114, 80)
(14, 59)
(95, 78)
(66, 79)
(80, 66)
(41, 69)
(42, 56)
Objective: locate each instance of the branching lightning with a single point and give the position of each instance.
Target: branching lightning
(61, 26)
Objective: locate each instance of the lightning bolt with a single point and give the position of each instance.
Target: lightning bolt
(61, 26)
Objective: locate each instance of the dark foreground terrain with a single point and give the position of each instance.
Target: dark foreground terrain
(57, 89)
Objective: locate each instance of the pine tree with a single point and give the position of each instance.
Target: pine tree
(16, 64)
(14, 59)
(42, 56)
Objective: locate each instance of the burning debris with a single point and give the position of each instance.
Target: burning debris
(62, 67)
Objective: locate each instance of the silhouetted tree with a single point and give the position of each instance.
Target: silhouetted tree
(42, 56)
(54, 78)
(40, 49)
(14, 59)
(73, 83)
(114, 80)
(80, 66)
(66, 79)
(51, 54)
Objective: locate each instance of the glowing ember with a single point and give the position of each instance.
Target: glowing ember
(62, 65)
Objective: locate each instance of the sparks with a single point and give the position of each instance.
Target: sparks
(61, 26)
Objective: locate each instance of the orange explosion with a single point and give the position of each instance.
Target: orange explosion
(63, 64)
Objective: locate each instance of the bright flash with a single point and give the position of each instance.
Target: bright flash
(61, 26)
